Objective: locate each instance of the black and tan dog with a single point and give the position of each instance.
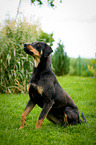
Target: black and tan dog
(44, 90)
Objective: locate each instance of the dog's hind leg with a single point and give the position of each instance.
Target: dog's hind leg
(71, 115)
(54, 119)
(27, 110)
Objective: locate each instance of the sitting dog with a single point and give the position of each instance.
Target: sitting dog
(45, 91)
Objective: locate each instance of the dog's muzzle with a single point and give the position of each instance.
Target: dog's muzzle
(27, 50)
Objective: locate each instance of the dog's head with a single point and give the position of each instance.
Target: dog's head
(37, 50)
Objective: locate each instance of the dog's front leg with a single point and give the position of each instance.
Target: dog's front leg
(27, 110)
(43, 114)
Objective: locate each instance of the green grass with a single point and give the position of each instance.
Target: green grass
(83, 92)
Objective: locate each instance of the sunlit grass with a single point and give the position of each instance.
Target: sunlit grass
(83, 92)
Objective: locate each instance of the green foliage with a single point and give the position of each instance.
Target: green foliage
(92, 68)
(49, 2)
(90, 65)
(15, 65)
(48, 38)
(12, 106)
(60, 60)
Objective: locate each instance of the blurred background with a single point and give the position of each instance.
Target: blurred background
(68, 26)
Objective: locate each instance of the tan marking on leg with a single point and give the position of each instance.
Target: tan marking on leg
(23, 116)
(39, 123)
(65, 119)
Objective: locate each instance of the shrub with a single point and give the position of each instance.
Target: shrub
(16, 66)
(82, 67)
(92, 70)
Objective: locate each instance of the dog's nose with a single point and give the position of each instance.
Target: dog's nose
(25, 44)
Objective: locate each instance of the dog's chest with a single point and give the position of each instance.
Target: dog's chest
(36, 93)
(34, 88)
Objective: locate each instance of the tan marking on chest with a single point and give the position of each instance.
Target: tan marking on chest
(28, 87)
(36, 61)
(39, 88)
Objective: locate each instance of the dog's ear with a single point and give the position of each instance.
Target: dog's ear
(47, 51)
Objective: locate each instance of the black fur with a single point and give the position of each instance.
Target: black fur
(45, 91)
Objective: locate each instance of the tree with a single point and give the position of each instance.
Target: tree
(60, 60)
(40, 2)
(45, 37)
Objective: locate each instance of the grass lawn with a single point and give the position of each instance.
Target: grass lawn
(83, 92)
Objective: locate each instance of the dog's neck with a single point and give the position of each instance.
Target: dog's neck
(36, 62)
(43, 65)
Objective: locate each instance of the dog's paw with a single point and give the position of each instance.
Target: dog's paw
(21, 127)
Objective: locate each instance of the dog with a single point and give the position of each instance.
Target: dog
(45, 91)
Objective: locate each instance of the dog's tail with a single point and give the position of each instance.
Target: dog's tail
(84, 119)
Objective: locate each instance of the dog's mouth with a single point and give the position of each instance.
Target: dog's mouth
(27, 50)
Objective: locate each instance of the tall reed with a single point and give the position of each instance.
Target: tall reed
(15, 65)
